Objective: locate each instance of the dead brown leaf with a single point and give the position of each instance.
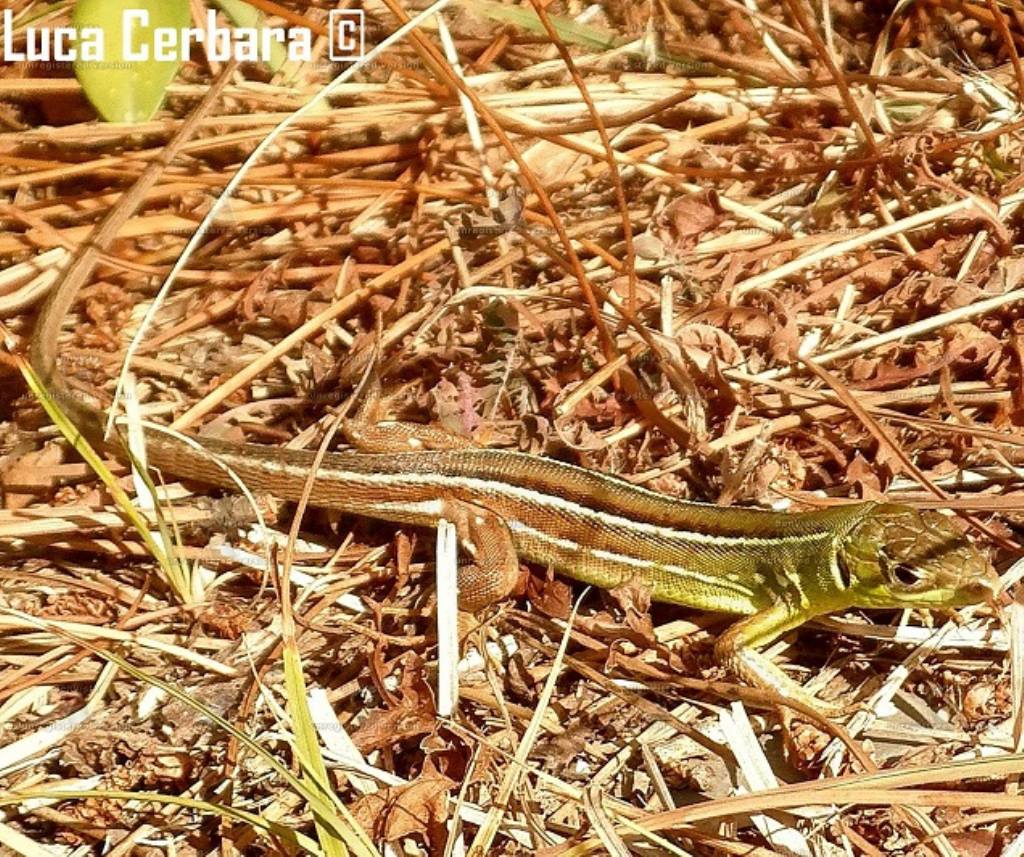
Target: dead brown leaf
(635, 600)
(417, 809)
(550, 595)
(683, 221)
(863, 476)
(29, 475)
(413, 712)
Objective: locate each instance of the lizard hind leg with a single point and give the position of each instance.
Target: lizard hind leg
(492, 573)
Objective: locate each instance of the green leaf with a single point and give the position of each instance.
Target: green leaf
(574, 33)
(568, 30)
(175, 573)
(123, 91)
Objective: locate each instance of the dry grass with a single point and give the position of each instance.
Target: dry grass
(732, 251)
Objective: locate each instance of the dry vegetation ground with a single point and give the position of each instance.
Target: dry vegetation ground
(799, 181)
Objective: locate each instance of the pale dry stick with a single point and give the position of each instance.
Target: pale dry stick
(17, 753)
(788, 421)
(63, 173)
(34, 87)
(666, 314)
(1015, 621)
(1007, 204)
(252, 127)
(287, 99)
(447, 616)
(917, 328)
(886, 217)
(759, 776)
(552, 104)
(252, 160)
(135, 159)
(475, 137)
(826, 25)
(976, 638)
(913, 222)
(18, 843)
(348, 194)
(846, 300)
(597, 379)
(883, 789)
(29, 675)
(22, 285)
(756, 241)
(54, 521)
(781, 198)
(393, 122)
(972, 253)
(556, 102)
(37, 217)
(14, 277)
(459, 257)
(600, 823)
(1015, 617)
(768, 40)
(160, 224)
(376, 206)
(788, 395)
(658, 782)
(20, 621)
(519, 79)
(488, 830)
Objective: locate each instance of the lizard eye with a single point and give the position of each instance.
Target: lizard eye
(905, 575)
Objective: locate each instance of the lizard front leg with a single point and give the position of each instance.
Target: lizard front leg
(737, 650)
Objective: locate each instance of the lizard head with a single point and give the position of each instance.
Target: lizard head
(897, 556)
